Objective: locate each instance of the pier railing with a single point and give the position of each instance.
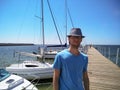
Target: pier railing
(111, 53)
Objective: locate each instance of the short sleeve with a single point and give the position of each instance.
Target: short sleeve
(57, 62)
(86, 64)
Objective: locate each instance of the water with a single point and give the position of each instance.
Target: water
(110, 52)
(8, 55)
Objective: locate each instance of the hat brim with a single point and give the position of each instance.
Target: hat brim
(76, 36)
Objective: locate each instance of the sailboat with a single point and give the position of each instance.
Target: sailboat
(50, 53)
(14, 82)
(33, 69)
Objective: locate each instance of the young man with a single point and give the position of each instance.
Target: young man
(70, 65)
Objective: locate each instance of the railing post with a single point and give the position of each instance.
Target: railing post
(109, 52)
(117, 55)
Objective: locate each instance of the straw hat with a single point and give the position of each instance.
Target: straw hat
(75, 32)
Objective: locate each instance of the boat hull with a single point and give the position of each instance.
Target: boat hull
(32, 70)
(15, 82)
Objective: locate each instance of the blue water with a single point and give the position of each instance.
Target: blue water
(110, 52)
(8, 55)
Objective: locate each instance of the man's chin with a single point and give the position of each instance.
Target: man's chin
(76, 46)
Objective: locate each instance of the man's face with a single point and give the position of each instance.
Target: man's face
(75, 41)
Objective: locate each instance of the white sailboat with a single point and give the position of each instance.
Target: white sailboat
(14, 82)
(50, 53)
(33, 69)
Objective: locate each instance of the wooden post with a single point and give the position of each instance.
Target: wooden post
(117, 55)
(109, 53)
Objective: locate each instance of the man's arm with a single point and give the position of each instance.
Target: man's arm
(86, 80)
(56, 79)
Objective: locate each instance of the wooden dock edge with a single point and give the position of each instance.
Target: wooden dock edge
(103, 74)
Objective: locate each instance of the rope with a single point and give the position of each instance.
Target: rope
(54, 22)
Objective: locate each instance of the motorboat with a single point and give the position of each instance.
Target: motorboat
(14, 82)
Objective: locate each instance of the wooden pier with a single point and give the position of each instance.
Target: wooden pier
(103, 74)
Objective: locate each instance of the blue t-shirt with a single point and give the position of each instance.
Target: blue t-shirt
(71, 69)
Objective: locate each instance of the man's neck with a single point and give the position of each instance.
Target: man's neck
(74, 51)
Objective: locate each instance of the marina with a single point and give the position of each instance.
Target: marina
(103, 73)
(34, 31)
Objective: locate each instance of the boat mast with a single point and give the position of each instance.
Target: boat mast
(66, 21)
(42, 11)
(43, 49)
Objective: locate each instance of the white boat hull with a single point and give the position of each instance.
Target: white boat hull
(32, 70)
(15, 82)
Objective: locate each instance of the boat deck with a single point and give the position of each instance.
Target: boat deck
(103, 74)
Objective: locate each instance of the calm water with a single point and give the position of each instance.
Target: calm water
(8, 55)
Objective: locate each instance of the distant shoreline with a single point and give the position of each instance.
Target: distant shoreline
(16, 44)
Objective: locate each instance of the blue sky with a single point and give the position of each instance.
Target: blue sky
(98, 19)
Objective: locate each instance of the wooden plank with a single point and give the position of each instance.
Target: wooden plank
(103, 74)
